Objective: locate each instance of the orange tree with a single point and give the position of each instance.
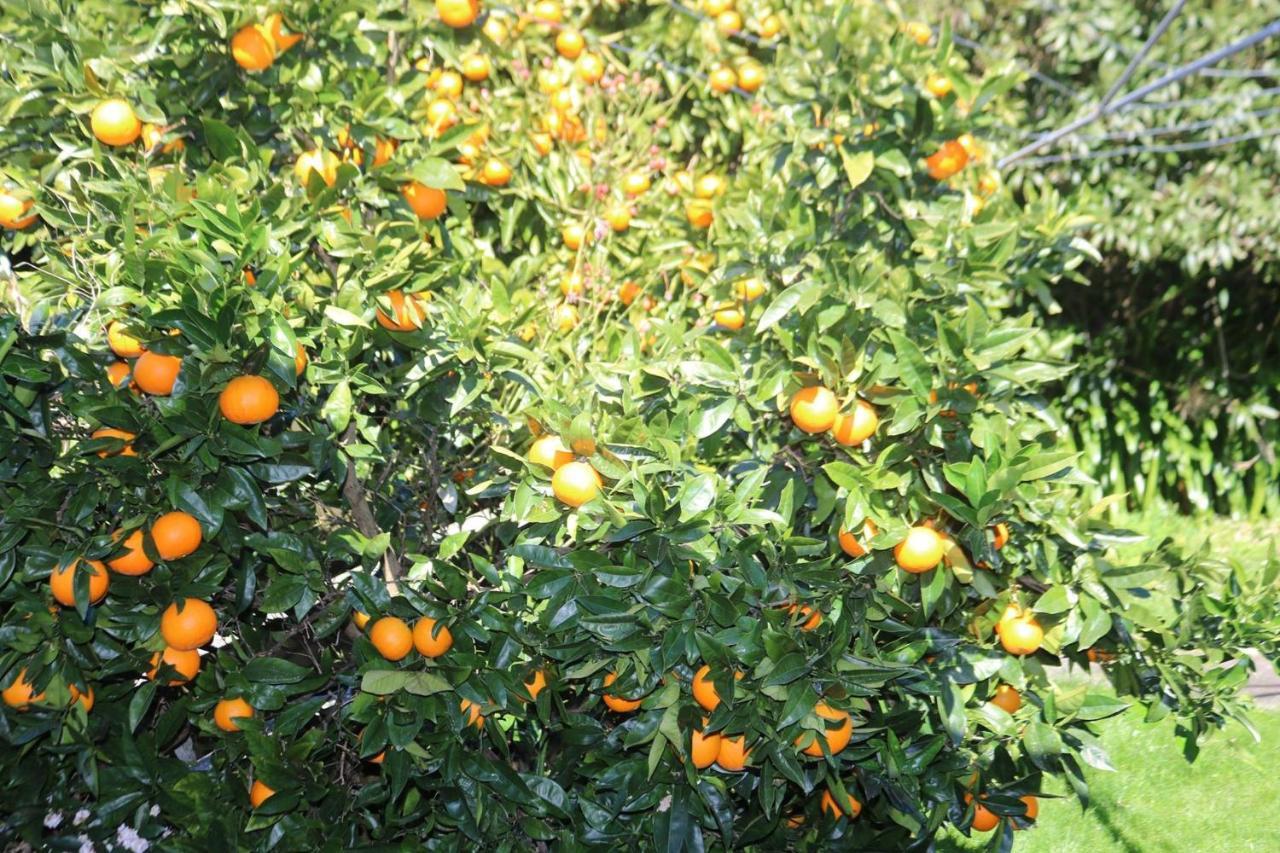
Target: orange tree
(574, 425)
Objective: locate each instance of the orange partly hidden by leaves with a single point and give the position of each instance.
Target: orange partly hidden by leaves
(426, 202)
(176, 535)
(408, 309)
(121, 342)
(947, 160)
(188, 624)
(117, 372)
(228, 711)
(472, 712)
(855, 427)
(12, 210)
(536, 683)
(549, 451)
(21, 693)
(186, 664)
(86, 698)
(704, 749)
(704, 689)
(259, 793)
(852, 808)
(814, 409)
(1021, 636)
(617, 703)
(134, 561)
(156, 374)
(62, 581)
(1008, 698)
(733, 753)
(431, 638)
(249, 400)
(850, 544)
(836, 738)
(108, 432)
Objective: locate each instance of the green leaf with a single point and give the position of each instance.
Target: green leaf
(858, 167)
(274, 671)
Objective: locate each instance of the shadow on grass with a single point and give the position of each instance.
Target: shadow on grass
(1102, 813)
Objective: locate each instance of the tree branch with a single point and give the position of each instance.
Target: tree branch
(362, 515)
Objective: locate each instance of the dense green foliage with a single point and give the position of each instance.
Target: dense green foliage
(395, 481)
(1178, 395)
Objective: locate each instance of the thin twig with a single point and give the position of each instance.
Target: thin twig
(362, 515)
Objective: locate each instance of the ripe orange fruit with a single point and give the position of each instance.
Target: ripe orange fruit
(573, 235)
(814, 409)
(21, 693)
(324, 163)
(114, 123)
(409, 312)
(722, 80)
(188, 624)
(249, 400)
(635, 183)
(383, 151)
(259, 793)
(252, 48)
(134, 561)
(947, 160)
(989, 183)
(1001, 532)
(750, 76)
(1021, 636)
(575, 483)
(495, 29)
(569, 43)
(813, 618)
(227, 711)
(441, 115)
(476, 67)
(1032, 804)
(155, 373)
(918, 32)
(837, 738)
(448, 84)
(852, 808)
(542, 143)
(617, 703)
(728, 22)
(938, 85)
(715, 8)
(458, 13)
(62, 581)
(704, 749)
(769, 26)
(536, 683)
(547, 11)
(571, 283)
(984, 820)
(857, 426)
(749, 289)
(175, 535)
(496, 173)
(699, 213)
(850, 544)
(628, 292)
(729, 318)
(1008, 698)
(733, 753)
(186, 664)
(12, 209)
(565, 317)
(86, 699)
(431, 638)
(472, 712)
(122, 343)
(126, 437)
(619, 218)
(360, 619)
(153, 135)
(391, 637)
(300, 361)
(704, 689)
(117, 373)
(709, 186)
(549, 450)
(426, 202)
(590, 68)
(920, 551)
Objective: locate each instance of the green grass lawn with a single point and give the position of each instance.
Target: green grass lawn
(1226, 801)
(1250, 542)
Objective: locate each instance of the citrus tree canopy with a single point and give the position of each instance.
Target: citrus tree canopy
(582, 425)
